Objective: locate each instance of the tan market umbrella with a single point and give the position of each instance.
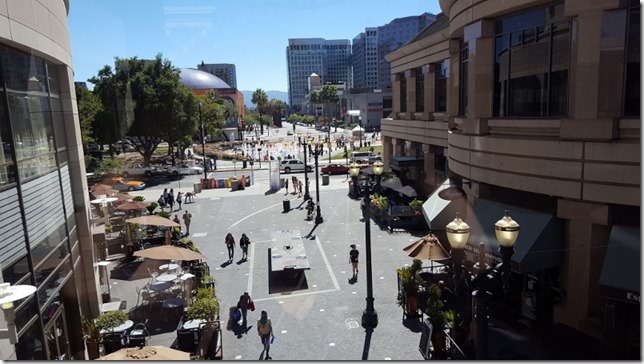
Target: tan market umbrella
(147, 353)
(123, 197)
(153, 220)
(99, 186)
(103, 191)
(427, 248)
(167, 252)
(134, 205)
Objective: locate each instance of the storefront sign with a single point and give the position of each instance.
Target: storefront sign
(490, 257)
(632, 296)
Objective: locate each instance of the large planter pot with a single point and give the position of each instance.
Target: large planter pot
(411, 302)
(92, 349)
(438, 341)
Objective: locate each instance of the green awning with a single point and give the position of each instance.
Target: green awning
(540, 242)
(620, 276)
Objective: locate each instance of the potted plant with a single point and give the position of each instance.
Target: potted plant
(438, 317)
(415, 205)
(409, 281)
(111, 319)
(92, 336)
(205, 307)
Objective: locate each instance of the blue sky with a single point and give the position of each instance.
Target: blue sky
(252, 34)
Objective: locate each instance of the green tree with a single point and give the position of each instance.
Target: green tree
(260, 100)
(328, 95)
(276, 109)
(143, 101)
(314, 98)
(88, 106)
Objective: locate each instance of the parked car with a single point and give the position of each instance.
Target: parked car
(290, 132)
(183, 169)
(334, 168)
(289, 165)
(93, 147)
(122, 184)
(138, 169)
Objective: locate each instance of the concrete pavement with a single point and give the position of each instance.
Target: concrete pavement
(316, 320)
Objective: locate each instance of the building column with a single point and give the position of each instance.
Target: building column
(395, 94)
(429, 165)
(480, 80)
(398, 147)
(387, 149)
(587, 232)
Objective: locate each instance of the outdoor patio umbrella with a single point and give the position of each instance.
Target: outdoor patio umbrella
(153, 220)
(428, 248)
(103, 191)
(147, 353)
(357, 131)
(134, 205)
(169, 252)
(123, 197)
(99, 186)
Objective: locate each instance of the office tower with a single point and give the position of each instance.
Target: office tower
(364, 59)
(225, 71)
(330, 59)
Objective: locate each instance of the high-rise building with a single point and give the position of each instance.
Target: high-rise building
(370, 69)
(364, 59)
(46, 238)
(392, 36)
(225, 71)
(330, 59)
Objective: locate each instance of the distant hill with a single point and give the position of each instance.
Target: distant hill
(280, 95)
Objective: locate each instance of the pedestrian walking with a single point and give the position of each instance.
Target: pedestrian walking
(179, 199)
(161, 201)
(230, 244)
(170, 199)
(294, 180)
(300, 188)
(265, 331)
(187, 218)
(353, 259)
(244, 242)
(286, 185)
(176, 219)
(244, 304)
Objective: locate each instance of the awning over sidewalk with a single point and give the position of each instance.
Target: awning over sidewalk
(620, 276)
(540, 241)
(441, 206)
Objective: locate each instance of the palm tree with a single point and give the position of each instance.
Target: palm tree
(260, 99)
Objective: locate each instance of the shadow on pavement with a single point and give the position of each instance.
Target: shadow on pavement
(131, 271)
(414, 324)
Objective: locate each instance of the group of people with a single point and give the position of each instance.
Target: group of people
(187, 219)
(264, 324)
(244, 242)
(167, 199)
(297, 186)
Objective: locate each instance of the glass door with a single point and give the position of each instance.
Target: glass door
(57, 340)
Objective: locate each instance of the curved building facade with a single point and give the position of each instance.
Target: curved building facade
(46, 240)
(534, 105)
(201, 82)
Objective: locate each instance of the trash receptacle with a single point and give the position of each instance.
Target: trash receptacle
(234, 184)
(325, 180)
(244, 164)
(287, 205)
(197, 187)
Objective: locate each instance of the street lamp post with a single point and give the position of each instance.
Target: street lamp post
(259, 157)
(252, 172)
(369, 316)
(316, 154)
(507, 232)
(360, 125)
(235, 167)
(203, 147)
(307, 196)
(329, 139)
(354, 171)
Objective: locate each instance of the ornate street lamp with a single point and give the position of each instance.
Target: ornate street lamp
(316, 153)
(203, 147)
(354, 171)
(507, 232)
(370, 316)
(306, 139)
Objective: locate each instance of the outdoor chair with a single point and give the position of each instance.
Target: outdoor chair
(112, 342)
(139, 335)
(187, 340)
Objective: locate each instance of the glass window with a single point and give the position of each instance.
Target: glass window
(532, 55)
(463, 74)
(440, 86)
(16, 271)
(420, 91)
(632, 84)
(403, 93)
(23, 72)
(30, 346)
(25, 312)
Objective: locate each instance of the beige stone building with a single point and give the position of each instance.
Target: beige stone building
(534, 106)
